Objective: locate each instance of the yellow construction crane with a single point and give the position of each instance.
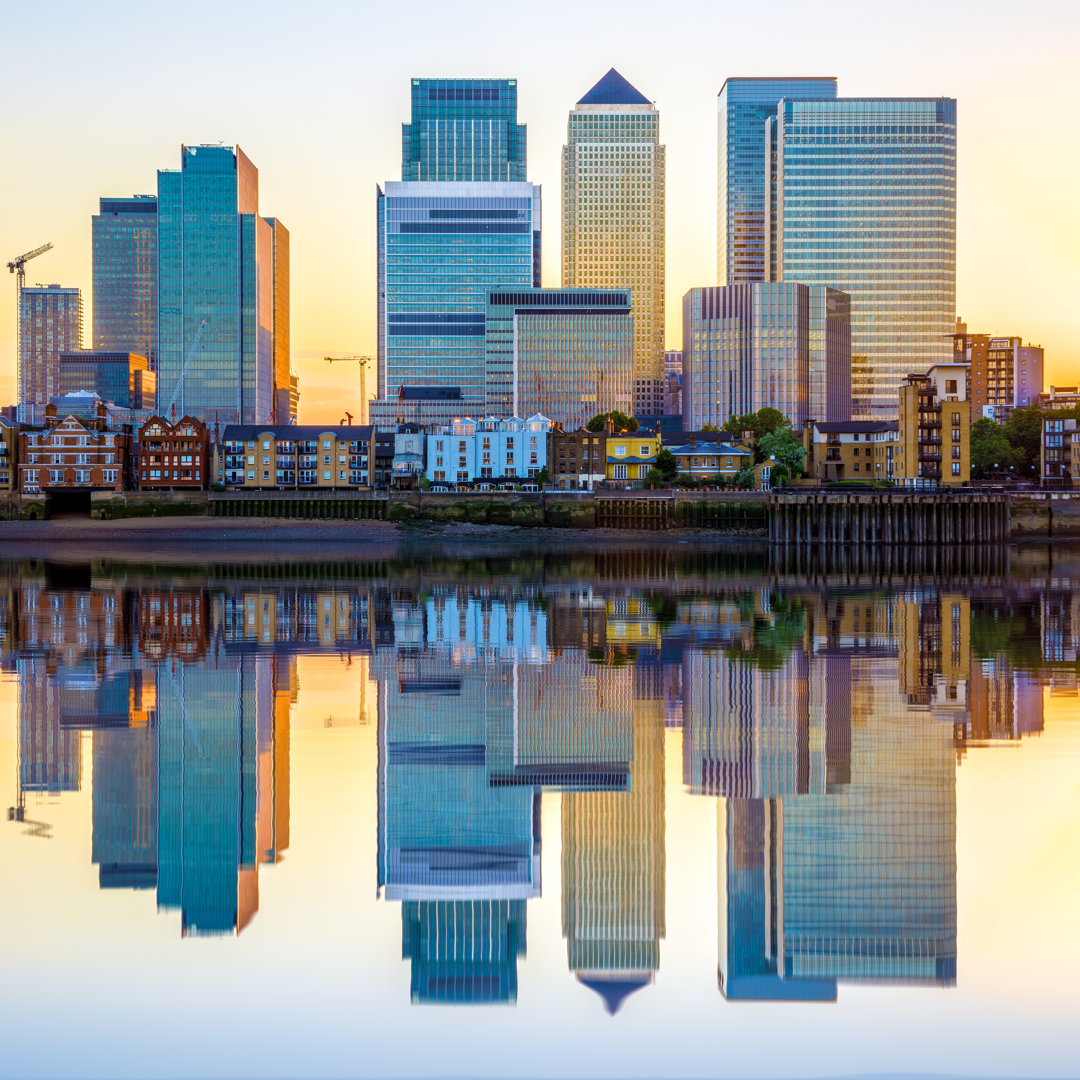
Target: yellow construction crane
(363, 361)
(18, 267)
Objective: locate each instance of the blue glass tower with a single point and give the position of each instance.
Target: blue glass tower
(463, 129)
(216, 271)
(742, 109)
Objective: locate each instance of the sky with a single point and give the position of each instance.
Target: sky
(100, 96)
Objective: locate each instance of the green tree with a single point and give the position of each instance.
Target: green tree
(763, 422)
(784, 446)
(666, 463)
(991, 451)
(654, 478)
(744, 478)
(620, 421)
(709, 427)
(543, 476)
(1023, 429)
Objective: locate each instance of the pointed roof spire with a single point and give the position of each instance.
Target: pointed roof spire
(613, 89)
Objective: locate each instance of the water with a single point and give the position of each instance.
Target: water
(636, 811)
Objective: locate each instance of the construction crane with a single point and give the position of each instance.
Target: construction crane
(347, 418)
(363, 361)
(179, 391)
(18, 267)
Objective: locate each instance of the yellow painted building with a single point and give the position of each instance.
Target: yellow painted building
(291, 456)
(630, 457)
(934, 446)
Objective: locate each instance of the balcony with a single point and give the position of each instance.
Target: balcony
(929, 455)
(929, 420)
(833, 455)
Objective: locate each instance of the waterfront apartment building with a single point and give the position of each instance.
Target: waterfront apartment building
(9, 456)
(778, 344)
(50, 322)
(73, 452)
(469, 451)
(1004, 373)
(705, 460)
(442, 245)
(861, 197)
(463, 130)
(120, 377)
(1060, 397)
(577, 459)
(565, 353)
(934, 445)
(1059, 452)
(613, 206)
(742, 107)
(285, 456)
(123, 237)
(172, 455)
(222, 277)
(854, 450)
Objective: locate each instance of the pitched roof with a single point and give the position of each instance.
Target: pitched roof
(857, 427)
(295, 432)
(613, 89)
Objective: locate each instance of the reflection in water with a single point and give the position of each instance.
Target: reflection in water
(827, 723)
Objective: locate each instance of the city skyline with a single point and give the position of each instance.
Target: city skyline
(1002, 236)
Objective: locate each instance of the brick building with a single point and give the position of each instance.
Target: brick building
(173, 455)
(74, 453)
(297, 456)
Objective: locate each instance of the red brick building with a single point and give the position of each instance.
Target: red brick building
(173, 455)
(73, 452)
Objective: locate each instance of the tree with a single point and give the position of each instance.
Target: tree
(666, 463)
(1023, 429)
(543, 476)
(784, 447)
(763, 422)
(709, 427)
(619, 420)
(991, 451)
(654, 478)
(744, 478)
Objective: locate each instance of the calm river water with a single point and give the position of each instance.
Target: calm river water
(655, 809)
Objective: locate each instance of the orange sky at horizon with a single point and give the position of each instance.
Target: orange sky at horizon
(318, 96)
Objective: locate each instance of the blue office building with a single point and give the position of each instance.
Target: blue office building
(463, 130)
(217, 284)
(743, 106)
(441, 247)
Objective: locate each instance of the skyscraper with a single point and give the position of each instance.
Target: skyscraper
(864, 191)
(742, 108)
(219, 273)
(124, 248)
(465, 130)
(50, 322)
(613, 182)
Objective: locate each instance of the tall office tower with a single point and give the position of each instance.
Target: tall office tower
(50, 322)
(119, 377)
(742, 108)
(565, 353)
(861, 196)
(613, 180)
(777, 344)
(441, 247)
(218, 279)
(284, 405)
(124, 248)
(465, 130)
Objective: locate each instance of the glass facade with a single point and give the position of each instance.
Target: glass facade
(613, 190)
(865, 201)
(50, 322)
(441, 248)
(464, 130)
(216, 269)
(743, 106)
(119, 377)
(565, 353)
(779, 344)
(124, 243)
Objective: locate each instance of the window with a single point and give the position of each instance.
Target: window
(266, 474)
(341, 474)
(266, 460)
(956, 435)
(251, 459)
(326, 459)
(956, 468)
(251, 474)
(642, 471)
(856, 466)
(326, 474)
(56, 476)
(950, 388)
(956, 419)
(619, 472)
(620, 451)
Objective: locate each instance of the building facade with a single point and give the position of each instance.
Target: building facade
(441, 247)
(123, 237)
(463, 130)
(1004, 373)
(1059, 452)
(577, 459)
(855, 450)
(73, 451)
(861, 197)
(221, 269)
(123, 378)
(288, 456)
(778, 344)
(630, 456)
(565, 353)
(613, 225)
(172, 455)
(934, 445)
(286, 385)
(50, 322)
(9, 456)
(475, 451)
(408, 463)
(742, 107)
(705, 460)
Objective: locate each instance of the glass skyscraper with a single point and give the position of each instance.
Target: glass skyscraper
(565, 353)
(864, 191)
(613, 183)
(463, 129)
(124, 243)
(216, 271)
(50, 322)
(743, 107)
(441, 247)
(778, 344)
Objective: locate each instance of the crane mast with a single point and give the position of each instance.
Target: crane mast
(363, 361)
(17, 266)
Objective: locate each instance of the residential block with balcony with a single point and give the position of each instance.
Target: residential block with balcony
(282, 457)
(1059, 452)
(934, 444)
(173, 455)
(852, 450)
(469, 452)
